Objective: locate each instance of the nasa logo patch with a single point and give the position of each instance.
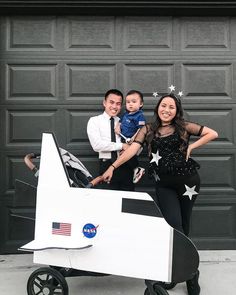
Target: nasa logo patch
(90, 230)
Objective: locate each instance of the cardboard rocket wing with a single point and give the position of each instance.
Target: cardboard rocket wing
(106, 231)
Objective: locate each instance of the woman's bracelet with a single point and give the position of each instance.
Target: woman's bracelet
(113, 166)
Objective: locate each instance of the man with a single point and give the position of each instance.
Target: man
(103, 140)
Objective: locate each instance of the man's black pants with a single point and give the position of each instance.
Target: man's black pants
(122, 177)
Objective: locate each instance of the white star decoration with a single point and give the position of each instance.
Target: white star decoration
(190, 191)
(172, 88)
(155, 158)
(180, 93)
(155, 94)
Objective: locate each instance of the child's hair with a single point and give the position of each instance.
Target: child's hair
(136, 92)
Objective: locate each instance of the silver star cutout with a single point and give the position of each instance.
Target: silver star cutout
(180, 93)
(155, 158)
(156, 177)
(155, 94)
(190, 191)
(172, 88)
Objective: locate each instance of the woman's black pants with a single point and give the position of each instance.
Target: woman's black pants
(175, 198)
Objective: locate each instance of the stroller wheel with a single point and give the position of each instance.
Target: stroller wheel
(158, 290)
(47, 281)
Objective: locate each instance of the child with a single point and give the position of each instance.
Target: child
(130, 123)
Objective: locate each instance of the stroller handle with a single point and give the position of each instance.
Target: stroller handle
(29, 162)
(28, 159)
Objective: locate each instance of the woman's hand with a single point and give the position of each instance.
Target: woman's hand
(128, 153)
(188, 153)
(107, 175)
(207, 135)
(96, 181)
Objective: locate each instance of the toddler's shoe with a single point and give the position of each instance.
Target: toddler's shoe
(138, 173)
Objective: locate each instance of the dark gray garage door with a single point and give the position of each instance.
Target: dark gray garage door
(55, 70)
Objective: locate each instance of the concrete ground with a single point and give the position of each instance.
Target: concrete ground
(217, 277)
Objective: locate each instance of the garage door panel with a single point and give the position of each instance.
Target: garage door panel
(219, 118)
(148, 77)
(218, 172)
(12, 168)
(199, 33)
(18, 225)
(148, 34)
(30, 82)
(15, 234)
(207, 81)
(89, 80)
(76, 129)
(23, 33)
(24, 127)
(215, 220)
(16, 169)
(216, 223)
(90, 33)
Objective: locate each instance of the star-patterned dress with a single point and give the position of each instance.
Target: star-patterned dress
(168, 150)
(177, 180)
(168, 156)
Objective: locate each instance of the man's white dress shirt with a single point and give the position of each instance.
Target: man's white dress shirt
(99, 134)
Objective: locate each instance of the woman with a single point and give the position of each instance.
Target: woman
(177, 182)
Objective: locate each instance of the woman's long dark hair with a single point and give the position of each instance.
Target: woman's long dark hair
(178, 120)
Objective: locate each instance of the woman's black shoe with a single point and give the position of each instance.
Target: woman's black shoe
(193, 286)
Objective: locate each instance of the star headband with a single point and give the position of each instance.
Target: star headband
(172, 89)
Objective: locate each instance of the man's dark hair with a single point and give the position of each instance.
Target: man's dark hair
(114, 91)
(136, 92)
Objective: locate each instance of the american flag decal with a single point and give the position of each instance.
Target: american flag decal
(141, 122)
(60, 228)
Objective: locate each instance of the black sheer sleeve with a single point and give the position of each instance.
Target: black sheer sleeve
(193, 128)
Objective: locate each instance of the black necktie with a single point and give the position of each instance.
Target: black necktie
(113, 139)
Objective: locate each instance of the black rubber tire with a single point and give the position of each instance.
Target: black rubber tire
(159, 290)
(46, 280)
